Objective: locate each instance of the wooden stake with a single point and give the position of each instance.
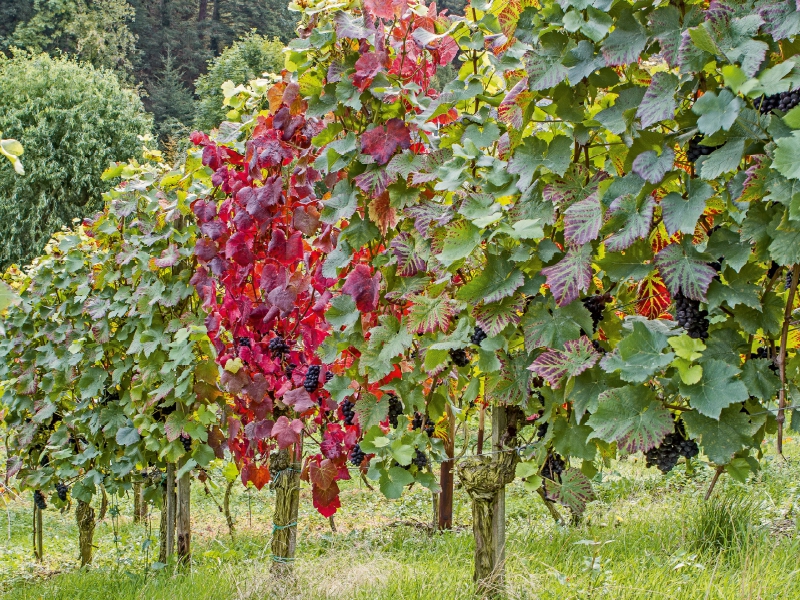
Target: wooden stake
(38, 549)
(183, 521)
(781, 358)
(286, 483)
(444, 516)
(84, 515)
(499, 425)
(170, 510)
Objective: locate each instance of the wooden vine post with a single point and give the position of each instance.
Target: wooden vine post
(485, 477)
(84, 515)
(38, 546)
(139, 504)
(168, 514)
(183, 524)
(285, 473)
(446, 479)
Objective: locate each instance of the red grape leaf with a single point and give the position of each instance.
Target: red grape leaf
(299, 399)
(382, 213)
(381, 142)
(283, 250)
(287, 432)
(259, 476)
(239, 247)
(326, 500)
(367, 66)
(205, 249)
(653, 297)
(322, 473)
(363, 288)
(384, 9)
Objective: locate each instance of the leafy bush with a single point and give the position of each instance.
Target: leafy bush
(246, 59)
(72, 120)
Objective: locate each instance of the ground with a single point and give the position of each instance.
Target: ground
(647, 536)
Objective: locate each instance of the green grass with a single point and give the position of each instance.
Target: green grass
(646, 537)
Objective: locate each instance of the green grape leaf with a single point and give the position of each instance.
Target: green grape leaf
(658, 103)
(723, 437)
(638, 355)
(629, 219)
(786, 153)
(633, 263)
(718, 389)
(371, 411)
(499, 279)
(626, 42)
(577, 356)
(393, 481)
(493, 317)
(717, 111)
(684, 271)
(534, 153)
(573, 491)
(545, 326)
(632, 417)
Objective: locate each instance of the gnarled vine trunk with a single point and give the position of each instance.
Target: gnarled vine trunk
(286, 484)
(84, 515)
(484, 478)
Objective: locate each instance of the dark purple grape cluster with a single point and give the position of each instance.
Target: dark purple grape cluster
(420, 460)
(784, 102)
(675, 445)
(430, 428)
(597, 347)
(553, 467)
(395, 409)
(541, 430)
(278, 346)
(290, 370)
(244, 341)
(38, 500)
(459, 357)
(62, 489)
(477, 336)
(690, 317)
(788, 283)
(596, 305)
(328, 376)
(764, 352)
(348, 411)
(186, 441)
(416, 421)
(312, 378)
(696, 149)
(357, 456)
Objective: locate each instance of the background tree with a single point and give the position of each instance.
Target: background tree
(93, 31)
(246, 59)
(73, 119)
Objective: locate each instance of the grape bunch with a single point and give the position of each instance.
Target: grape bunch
(328, 376)
(395, 409)
(764, 352)
(477, 336)
(690, 317)
(186, 441)
(553, 467)
(62, 489)
(420, 460)
(773, 268)
(290, 370)
(788, 283)
(348, 410)
(416, 421)
(357, 455)
(596, 305)
(696, 150)
(312, 378)
(675, 445)
(459, 357)
(430, 428)
(38, 500)
(784, 102)
(244, 341)
(278, 346)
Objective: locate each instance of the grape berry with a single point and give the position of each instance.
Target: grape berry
(477, 336)
(596, 305)
(690, 317)
(62, 489)
(39, 501)
(312, 378)
(357, 456)
(784, 102)
(459, 357)
(675, 445)
(395, 409)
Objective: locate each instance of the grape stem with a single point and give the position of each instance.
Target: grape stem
(781, 358)
(714, 481)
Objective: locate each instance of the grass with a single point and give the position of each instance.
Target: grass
(646, 537)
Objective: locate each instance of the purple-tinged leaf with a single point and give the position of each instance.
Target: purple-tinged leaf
(582, 221)
(554, 365)
(684, 271)
(169, 257)
(495, 316)
(409, 263)
(573, 490)
(348, 26)
(571, 275)
(629, 218)
(574, 186)
(430, 314)
(658, 103)
(651, 167)
(373, 182)
(624, 45)
(428, 212)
